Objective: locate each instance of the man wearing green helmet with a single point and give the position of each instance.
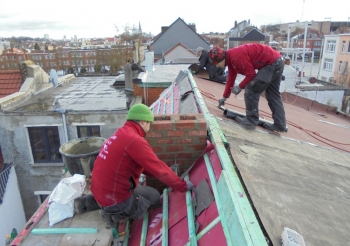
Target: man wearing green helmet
(119, 165)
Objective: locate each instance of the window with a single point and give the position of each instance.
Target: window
(45, 143)
(42, 195)
(317, 49)
(88, 131)
(328, 64)
(317, 43)
(340, 66)
(330, 47)
(343, 47)
(346, 68)
(349, 47)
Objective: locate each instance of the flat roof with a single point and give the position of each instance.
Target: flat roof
(80, 94)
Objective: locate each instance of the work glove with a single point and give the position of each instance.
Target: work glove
(190, 186)
(222, 101)
(194, 72)
(236, 90)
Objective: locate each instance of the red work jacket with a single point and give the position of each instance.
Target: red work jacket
(244, 60)
(121, 160)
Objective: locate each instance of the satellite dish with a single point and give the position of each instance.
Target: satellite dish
(54, 77)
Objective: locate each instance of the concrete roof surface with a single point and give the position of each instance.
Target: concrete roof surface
(299, 179)
(80, 94)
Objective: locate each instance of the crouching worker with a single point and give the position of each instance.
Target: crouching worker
(117, 169)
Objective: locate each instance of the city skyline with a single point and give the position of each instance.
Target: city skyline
(88, 19)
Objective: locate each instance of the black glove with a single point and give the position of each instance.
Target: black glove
(236, 90)
(190, 186)
(222, 101)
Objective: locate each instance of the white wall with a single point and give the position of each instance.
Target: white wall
(181, 55)
(331, 98)
(11, 210)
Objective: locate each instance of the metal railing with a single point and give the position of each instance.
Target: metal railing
(4, 176)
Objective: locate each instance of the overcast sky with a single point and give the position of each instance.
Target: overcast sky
(88, 19)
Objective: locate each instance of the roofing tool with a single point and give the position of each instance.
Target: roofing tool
(221, 107)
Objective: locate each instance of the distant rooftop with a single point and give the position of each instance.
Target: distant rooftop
(10, 82)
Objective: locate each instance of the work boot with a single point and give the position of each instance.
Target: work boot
(79, 205)
(273, 127)
(245, 122)
(85, 203)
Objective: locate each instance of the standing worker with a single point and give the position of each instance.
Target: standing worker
(244, 60)
(118, 167)
(215, 73)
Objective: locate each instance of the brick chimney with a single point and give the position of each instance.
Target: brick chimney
(164, 28)
(179, 139)
(192, 26)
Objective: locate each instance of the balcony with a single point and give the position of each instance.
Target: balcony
(4, 175)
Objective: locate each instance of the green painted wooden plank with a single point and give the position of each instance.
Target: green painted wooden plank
(64, 231)
(127, 232)
(165, 219)
(144, 229)
(206, 229)
(219, 205)
(190, 217)
(213, 126)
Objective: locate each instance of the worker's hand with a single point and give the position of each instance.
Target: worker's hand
(236, 90)
(222, 101)
(190, 186)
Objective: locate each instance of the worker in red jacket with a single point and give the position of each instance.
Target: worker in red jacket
(245, 59)
(118, 167)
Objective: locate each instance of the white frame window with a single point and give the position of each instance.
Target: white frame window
(343, 47)
(330, 47)
(346, 68)
(328, 64)
(44, 143)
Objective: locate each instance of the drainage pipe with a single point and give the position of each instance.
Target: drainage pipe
(63, 112)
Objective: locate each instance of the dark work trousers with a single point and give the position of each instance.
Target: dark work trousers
(218, 75)
(134, 207)
(268, 79)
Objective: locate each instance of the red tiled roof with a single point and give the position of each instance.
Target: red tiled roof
(10, 82)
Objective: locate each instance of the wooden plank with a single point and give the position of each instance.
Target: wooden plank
(103, 237)
(44, 240)
(82, 230)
